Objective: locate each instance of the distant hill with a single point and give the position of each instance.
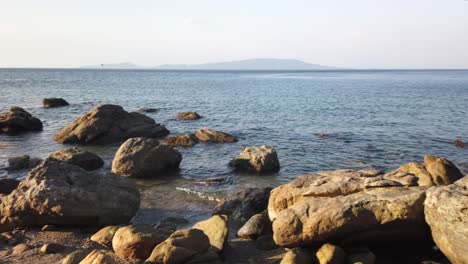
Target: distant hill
(250, 64)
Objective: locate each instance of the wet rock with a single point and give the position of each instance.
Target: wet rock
(442, 170)
(145, 157)
(136, 242)
(244, 204)
(183, 246)
(63, 194)
(8, 185)
(265, 243)
(213, 136)
(181, 141)
(188, 116)
(447, 215)
(148, 110)
(99, 257)
(107, 124)
(346, 206)
(49, 228)
(51, 248)
(216, 229)
(54, 102)
(85, 159)
(256, 226)
(75, 257)
(258, 159)
(330, 254)
(22, 162)
(20, 248)
(105, 235)
(297, 256)
(459, 143)
(18, 120)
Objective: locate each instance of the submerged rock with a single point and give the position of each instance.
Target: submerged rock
(107, 124)
(145, 157)
(213, 136)
(259, 159)
(188, 116)
(22, 162)
(85, 159)
(63, 194)
(136, 242)
(18, 120)
(244, 204)
(447, 215)
(216, 229)
(148, 110)
(54, 102)
(181, 141)
(459, 143)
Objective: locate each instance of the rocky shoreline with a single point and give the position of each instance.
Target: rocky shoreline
(66, 212)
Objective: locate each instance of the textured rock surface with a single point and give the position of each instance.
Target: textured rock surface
(145, 157)
(297, 256)
(216, 229)
(98, 257)
(62, 194)
(244, 204)
(85, 159)
(136, 242)
(446, 212)
(105, 235)
(181, 141)
(256, 226)
(107, 124)
(442, 170)
(330, 254)
(54, 102)
(258, 159)
(22, 162)
(210, 135)
(18, 120)
(188, 116)
(346, 205)
(418, 169)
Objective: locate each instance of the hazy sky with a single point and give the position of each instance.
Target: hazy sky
(346, 33)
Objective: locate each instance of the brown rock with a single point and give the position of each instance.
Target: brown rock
(330, 254)
(181, 141)
(85, 159)
(136, 242)
(107, 124)
(105, 235)
(418, 169)
(256, 226)
(75, 257)
(51, 248)
(18, 120)
(216, 229)
(54, 102)
(148, 110)
(145, 157)
(49, 228)
(213, 136)
(442, 170)
(297, 256)
(361, 258)
(188, 116)
(446, 213)
(459, 143)
(20, 248)
(258, 159)
(99, 257)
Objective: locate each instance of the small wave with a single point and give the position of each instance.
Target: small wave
(198, 194)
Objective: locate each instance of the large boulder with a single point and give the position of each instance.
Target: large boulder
(216, 229)
(213, 136)
(347, 206)
(181, 141)
(136, 242)
(446, 213)
(18, 120)
(244, 204)
(22, 162)
(442, 170)
(54, 102)
(63, 194)
(145, 157)
(188, 116)
(107, 124)
(258, 159)
(85, 159)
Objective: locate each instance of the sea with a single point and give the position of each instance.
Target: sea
(316, 120)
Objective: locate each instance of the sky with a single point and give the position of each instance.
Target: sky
(341, 33)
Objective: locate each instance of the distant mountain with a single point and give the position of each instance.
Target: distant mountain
(250, 64)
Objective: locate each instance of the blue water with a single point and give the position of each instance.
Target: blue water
(379, 119)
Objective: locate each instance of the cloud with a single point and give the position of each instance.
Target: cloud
(187, 21)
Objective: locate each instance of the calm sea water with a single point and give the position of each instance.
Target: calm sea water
(381, 119)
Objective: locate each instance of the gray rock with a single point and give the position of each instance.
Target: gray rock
(18, 120)
(8, 185)
(85, 159)
(54, 102)
(22, 162)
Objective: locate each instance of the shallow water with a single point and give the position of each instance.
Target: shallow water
(374, 118)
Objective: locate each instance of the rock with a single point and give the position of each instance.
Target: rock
(256, 226)
(244, 204)
(22, 162)
(49, 228)
(265, 243)
(18, 120)
(258, 159)
(107, 124)
(54, 102)
(183, 246)
(442, 170)
(361, 258)
(148, 110)
(63, 194)
(216, 229)
(330, 254)
(75, 257)
(418, 169)
(459, 143)
(85, 159)
(213, 136)
(169, 224)
(347, 206)
(145, 157)
(8, 185)
(136, 242)
(51, 248)
(20, 248)
(188, 116)
(181, 141)
(446, 214)
(297, 256)
(99, 257)
(105, 235)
